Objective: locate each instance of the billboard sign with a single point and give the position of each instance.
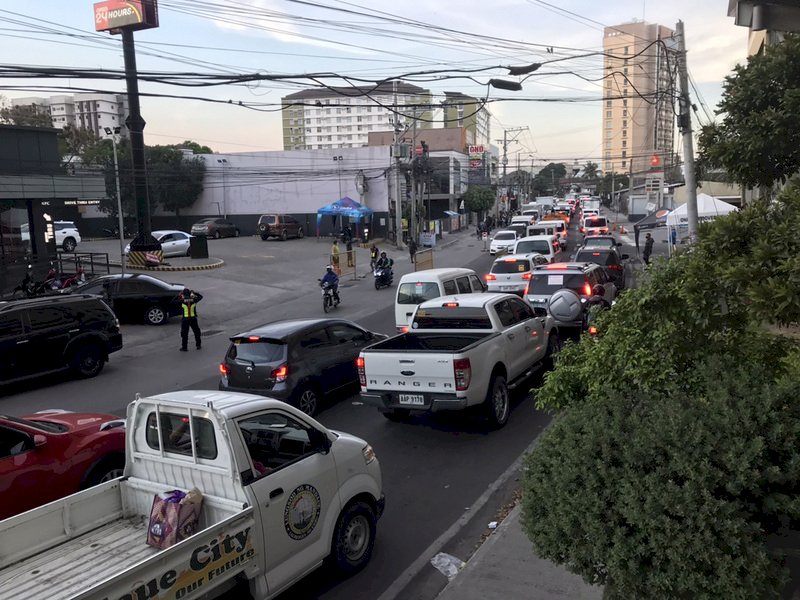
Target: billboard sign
(115, 15)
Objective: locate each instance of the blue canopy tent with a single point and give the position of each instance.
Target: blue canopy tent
(344, 207)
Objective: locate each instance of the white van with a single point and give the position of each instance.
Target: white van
(542, 228)
(546, 245)
(416, 288)
(523, 220)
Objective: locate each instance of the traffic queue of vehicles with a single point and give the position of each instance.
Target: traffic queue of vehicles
(281, 493)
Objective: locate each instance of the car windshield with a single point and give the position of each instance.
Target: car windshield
(452, 318)
(505, 235)
(538, 246)
(517, 265)
(598, 256)
(417, 292)
(549, 283)
(257, 350)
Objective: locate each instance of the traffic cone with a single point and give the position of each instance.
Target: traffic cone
(621, 229)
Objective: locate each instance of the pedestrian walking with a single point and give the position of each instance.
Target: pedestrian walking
(189, 299)
(648, 248)
(412, 249)
(349, 246)
(335, 256)
(373, 257)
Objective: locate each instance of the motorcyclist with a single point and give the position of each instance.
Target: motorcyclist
(332, 279)
(384, 262)
(598, 298)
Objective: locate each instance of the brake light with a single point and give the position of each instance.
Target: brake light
(253, 338)
(462, 371)
(615, 267)
(362, 374)
(404, 329)
(581, 229)
(489, 277)
(587, 290)
(450, 305)
(224, 369)
(595, 254)
(280, 374)
(527, 276)
(592, 330)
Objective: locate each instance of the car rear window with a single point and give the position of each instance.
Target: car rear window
(598, 257)
(416, 292)
(549, 283)
(270, 219)
(452, 318)
(520, 265)
(176, 433)
(538, 246)
(596, 222)
(505, 235)
(257, 350)
(598, 242)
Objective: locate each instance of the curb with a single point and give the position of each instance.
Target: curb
(215, 265)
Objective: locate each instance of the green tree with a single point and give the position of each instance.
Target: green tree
(30, 115)
(479, 198)
(674, 455)
(546, 181)
(193, 146)
(604, 186)
(75, 142)
(590, 170)
(757, 140)
(173, 181)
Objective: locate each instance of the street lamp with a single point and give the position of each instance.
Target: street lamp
(113, 133)
(338, 160)
(224, 163)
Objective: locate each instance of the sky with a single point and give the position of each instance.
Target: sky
(372, 41)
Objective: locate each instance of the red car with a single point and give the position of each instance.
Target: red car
(52, 454)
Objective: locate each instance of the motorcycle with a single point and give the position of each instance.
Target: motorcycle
(329, 300)
(383, 277)
(30, 288)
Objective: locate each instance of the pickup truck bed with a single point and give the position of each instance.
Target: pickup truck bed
(74, 544)
(433, 342)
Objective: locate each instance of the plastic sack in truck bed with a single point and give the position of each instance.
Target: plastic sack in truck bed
(173, 517)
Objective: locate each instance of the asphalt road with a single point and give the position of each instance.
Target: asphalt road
(435, 469)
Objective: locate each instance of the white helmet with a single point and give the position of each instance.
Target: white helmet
(329, 268)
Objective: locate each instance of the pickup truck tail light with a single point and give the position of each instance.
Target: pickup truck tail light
(362, 375)
(280, 374)
(587, 290)
(463, 373)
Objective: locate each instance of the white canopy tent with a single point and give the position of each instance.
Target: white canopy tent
(708, 209)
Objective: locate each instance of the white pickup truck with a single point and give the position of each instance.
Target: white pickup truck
(460, 351)
(280, 494)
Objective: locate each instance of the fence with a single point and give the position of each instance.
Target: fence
(423, 259)
(344, 263)
(93, 263)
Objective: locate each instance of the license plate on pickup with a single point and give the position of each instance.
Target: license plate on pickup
(415, 399)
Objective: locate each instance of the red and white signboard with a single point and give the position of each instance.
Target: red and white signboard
(476, 151)
(114, 15)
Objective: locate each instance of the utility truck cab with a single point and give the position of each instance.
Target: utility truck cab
(280, 493)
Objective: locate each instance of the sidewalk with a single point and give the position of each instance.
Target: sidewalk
(506, 567)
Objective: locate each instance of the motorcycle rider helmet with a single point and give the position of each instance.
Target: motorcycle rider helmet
(329, 268)
(598, 290)
(383, 254)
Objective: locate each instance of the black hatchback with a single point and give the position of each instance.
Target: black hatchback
(136, 297)
(297, 361)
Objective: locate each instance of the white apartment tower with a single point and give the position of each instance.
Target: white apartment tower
(88, 111)
(638, 96)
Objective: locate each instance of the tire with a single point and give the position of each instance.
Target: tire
(326, 303)
(377, 284)
(188, 252)
(87, 360)
(497, 404)
(264, 236)
(107, 469)
(155, 315)
(398, 415)
(235, 233)
(300, 233)
(217, 235)
(284, 235)
(307, 400)
(69, 245)
(353, 538)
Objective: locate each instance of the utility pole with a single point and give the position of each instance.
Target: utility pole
(398, 204)
(685, 125)
(506, 142)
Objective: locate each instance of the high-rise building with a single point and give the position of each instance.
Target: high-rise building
(768, 21)
(88, 111)
(639, 92)
(468, 112)
(343, 117)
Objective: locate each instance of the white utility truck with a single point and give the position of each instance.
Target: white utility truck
(281, 493)
(460, 352)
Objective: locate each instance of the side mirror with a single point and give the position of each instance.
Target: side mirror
(39, 440)
(319, 441)
(539, 311)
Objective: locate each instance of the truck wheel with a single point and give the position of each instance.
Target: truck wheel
(398, 415)
(87, 361)
(497, 403)
(107, 469)
(353, 538)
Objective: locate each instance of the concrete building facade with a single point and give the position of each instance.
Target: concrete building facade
(94, 112)
(638, 96)
(468, 112)
(321, 118)
(767, 20)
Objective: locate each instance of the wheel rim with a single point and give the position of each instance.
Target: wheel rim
(112, 474)
(355, 538)
(308, 402)
(325, 304)
(89, 360)
(69, 245)
(216, 235)
(500, 404)
(155, 316)
(300, 233)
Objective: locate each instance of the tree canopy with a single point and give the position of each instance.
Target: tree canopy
(546, 180)
(29, 115)
(674, 455)
(757, 141)
(479, 198)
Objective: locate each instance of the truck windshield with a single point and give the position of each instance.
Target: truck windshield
(417, 292)
(461, 317)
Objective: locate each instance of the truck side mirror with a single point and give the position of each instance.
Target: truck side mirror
(319, 441)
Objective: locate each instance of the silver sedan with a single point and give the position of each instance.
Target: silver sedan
(173, 242)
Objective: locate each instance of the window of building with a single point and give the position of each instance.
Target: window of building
(624, 133)
(625, 70)
(327, 101)
(624, 103)
(624, 154)
(624, 123)
(347, 109)
(608, 114)
(608, 103)
(369, 109)
(625, 51)
(624, 143)
(625, 113)
(359, 119)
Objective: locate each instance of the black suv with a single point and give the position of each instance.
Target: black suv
(296, 361)
(48, 334)
(609, 258)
